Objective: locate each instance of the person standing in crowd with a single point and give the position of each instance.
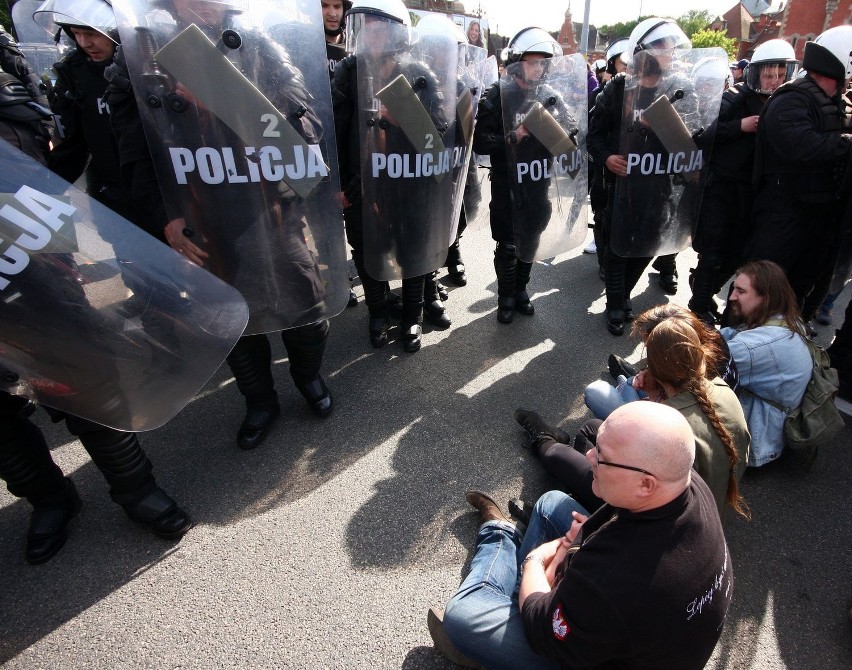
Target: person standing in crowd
(651, 45)
(251, 359)
(773, 362)
(474, 34)
(26, 465)
(725, 221)
(596, 591)
(398, 227)
(333, 14)
(529, 47)
(802, 167)
(597, 192)
(738, 69)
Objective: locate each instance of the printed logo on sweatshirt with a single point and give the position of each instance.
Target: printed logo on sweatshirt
(560, 626)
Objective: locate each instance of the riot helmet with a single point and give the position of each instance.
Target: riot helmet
(97, 15)
(830, 54)
(380, 20)
(440, 26)
(531, 41)
(773, 63)
(656, 34)
(613, 53)
(709, 75)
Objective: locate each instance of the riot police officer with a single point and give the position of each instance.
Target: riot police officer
(235, 224)
(725, 221)
(802, 167)
(650, 47)
(393, 227)
(529, 47)
(25, 462)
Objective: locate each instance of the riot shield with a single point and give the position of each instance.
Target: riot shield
(545, 113)
(39, 47)
(669, 110)
(477, 192)
(407, 96)
(244, 153)
(99, 319)
(469, 91)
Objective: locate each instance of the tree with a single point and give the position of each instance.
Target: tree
(694, 21)
(619, 30)
(715, 38)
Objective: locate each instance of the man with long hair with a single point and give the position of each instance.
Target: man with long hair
(773, 362)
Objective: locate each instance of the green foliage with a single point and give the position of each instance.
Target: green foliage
(690, 23)
(619, 30)
(694, 21)
(715, 38)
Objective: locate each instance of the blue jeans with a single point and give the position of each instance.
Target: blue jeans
(483, 619)
(603, 399)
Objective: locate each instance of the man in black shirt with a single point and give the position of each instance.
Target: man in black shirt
(644, 582)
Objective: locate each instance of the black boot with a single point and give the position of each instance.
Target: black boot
(667, 268)
(505, 265)
(702, 280)
(378, 297)
(305, 349)
(411, 322)
(158, 511)
(522, 299)
(433, 307)
(250, 362)
(615, 294)
(455, 266)
(29, 472)
(127, 470)
(48, 528)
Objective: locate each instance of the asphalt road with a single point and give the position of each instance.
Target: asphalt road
(325, 546)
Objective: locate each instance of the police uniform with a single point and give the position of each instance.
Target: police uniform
(346, 119)
(251, 359)
(621, 274)
(801, 172)
(25, 462)
(725, 222)
(489, 137)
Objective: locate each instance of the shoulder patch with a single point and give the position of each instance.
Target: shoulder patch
(560, 626)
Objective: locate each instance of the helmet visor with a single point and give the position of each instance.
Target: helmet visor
(93, 14)
(767, 76)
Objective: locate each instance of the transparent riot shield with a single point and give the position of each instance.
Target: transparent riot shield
(469, 92)
(243, 150)
(671, 101)
(98, 318)
(477, 192)
(545, 113)
(407, 94)
(38, 46)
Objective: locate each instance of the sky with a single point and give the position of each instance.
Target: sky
(512, 15)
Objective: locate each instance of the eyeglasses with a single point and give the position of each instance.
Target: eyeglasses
(618, 465)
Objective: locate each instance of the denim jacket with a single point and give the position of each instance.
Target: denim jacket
(773, 363)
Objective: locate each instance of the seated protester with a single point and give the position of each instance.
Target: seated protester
(773, 361)
(609, 591)
(601, 398)
(676, 376)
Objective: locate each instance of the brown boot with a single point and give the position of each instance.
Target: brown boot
(488, 509)
(443, 644)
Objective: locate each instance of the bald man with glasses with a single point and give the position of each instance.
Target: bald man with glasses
(644, 582)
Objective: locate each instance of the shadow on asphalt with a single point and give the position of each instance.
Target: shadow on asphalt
(453, 404)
